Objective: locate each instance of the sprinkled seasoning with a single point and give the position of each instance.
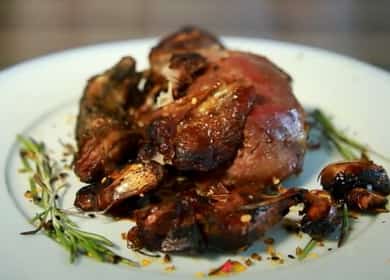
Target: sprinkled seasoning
(276, 259)
(199, 274)
(256, 257)
(298, 251)
(170, 268)
(271, 250)
(28, 195)
(145, 262)
(313, 255)
(167, 258)
(248, 262)
(246, 218)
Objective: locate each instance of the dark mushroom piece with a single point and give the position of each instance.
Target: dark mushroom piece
(362, 184)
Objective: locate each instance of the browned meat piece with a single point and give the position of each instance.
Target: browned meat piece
(194, 223)
(242, 102)
(104, 135)
(187, 39)
(133, 179)
(110, 145)
(182, 70)
(210, 134)
(274, 136)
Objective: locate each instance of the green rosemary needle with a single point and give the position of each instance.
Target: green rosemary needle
(308, 248)
(45, 186)
(347, 147)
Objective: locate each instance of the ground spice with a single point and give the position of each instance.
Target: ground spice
(167, 258)
(256, 257)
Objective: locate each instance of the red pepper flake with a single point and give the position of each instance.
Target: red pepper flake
(229, 267)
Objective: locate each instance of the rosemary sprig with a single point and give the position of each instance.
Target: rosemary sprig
(347, 147)
(308, 248)
(45, 187)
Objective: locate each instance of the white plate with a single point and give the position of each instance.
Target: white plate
(39, 98)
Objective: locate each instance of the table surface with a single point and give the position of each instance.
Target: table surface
(30, 28)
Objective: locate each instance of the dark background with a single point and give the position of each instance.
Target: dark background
(359, 28)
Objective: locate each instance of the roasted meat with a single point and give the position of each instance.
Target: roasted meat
(104, 134)
(186, 40)
(219, 221)
(240, 113)
(199, 136)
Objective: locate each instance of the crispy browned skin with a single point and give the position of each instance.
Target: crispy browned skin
(193, 223)
(240, 113)
(104, 135)
(209, 134)
(187, 39)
